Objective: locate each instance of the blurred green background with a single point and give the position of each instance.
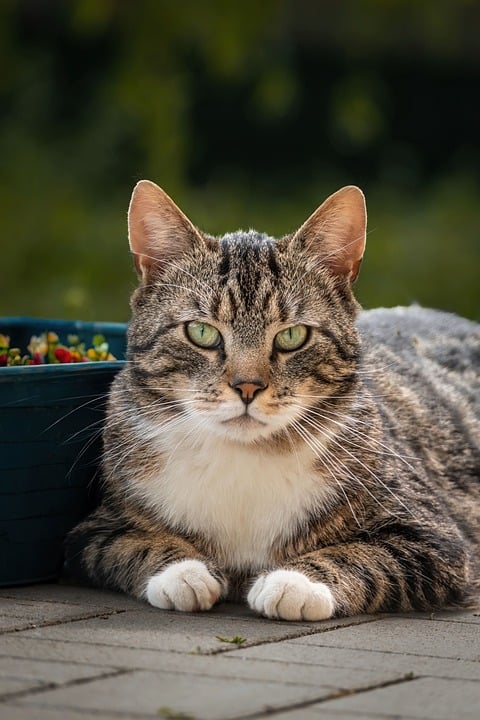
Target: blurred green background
(248, 114)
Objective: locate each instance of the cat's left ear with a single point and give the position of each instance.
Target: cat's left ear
(336, 232)
(158, 231)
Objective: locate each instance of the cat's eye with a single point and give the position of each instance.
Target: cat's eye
(203, 334)
(292, 338)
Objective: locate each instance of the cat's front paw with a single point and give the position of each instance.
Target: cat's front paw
(186, 585)
(290, 595)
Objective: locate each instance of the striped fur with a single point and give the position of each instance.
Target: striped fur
(349, 484)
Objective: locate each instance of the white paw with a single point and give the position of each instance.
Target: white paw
(186, 585)
(290, 595)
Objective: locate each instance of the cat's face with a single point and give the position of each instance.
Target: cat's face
(237, 336)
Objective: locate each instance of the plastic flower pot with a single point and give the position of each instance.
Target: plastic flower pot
(51, 419)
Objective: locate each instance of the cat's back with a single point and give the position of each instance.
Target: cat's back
(414, 336)
(393, 325)
(423, 366)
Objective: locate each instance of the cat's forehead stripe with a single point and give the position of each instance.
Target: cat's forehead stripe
(246, 263)
(272, 261)
(224, 265)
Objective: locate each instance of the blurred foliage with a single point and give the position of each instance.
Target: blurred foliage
(248, 114)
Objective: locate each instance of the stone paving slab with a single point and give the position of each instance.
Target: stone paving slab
(318, 712)
(45, 671)
(9, 685)
(70, 595)
(431, 638)
(228, 664)
(344, 659)
(471, 617)
(176, 632)
(143, 692)
(423, 698)
(18, 615)
(16, 712)
(161, 631)
(68, 653)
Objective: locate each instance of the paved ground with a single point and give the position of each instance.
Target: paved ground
(68, 653)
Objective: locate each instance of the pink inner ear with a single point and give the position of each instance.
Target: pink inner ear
(336, 232)
(158, 230)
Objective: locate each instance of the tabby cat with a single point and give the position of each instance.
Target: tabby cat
(267, 440)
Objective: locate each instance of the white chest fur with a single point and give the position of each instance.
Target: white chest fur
(242, 499)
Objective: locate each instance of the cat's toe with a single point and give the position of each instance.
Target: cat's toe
(187, 586)
(290, 595)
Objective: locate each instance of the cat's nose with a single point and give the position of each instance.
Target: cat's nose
(247, 389)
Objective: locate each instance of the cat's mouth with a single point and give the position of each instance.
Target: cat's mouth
(243, 420)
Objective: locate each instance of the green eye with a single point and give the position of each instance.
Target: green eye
(292, 338)
(203, 334)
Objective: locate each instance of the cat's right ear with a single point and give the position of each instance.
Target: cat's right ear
(158, 231)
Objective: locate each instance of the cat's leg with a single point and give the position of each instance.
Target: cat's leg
(109, 550)
(401, 570)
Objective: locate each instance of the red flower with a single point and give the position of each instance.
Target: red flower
(37, 359)
(3, 360)
(63, 355)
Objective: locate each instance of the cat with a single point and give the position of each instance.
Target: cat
(269, 440)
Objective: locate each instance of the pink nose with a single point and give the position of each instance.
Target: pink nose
(247, 389)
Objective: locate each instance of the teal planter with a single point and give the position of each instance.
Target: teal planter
(51, 419)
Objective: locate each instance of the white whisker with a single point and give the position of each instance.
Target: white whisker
(323, 456)
(343, 448)
(365, 441)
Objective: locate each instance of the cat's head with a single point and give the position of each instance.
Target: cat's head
(240, 336)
